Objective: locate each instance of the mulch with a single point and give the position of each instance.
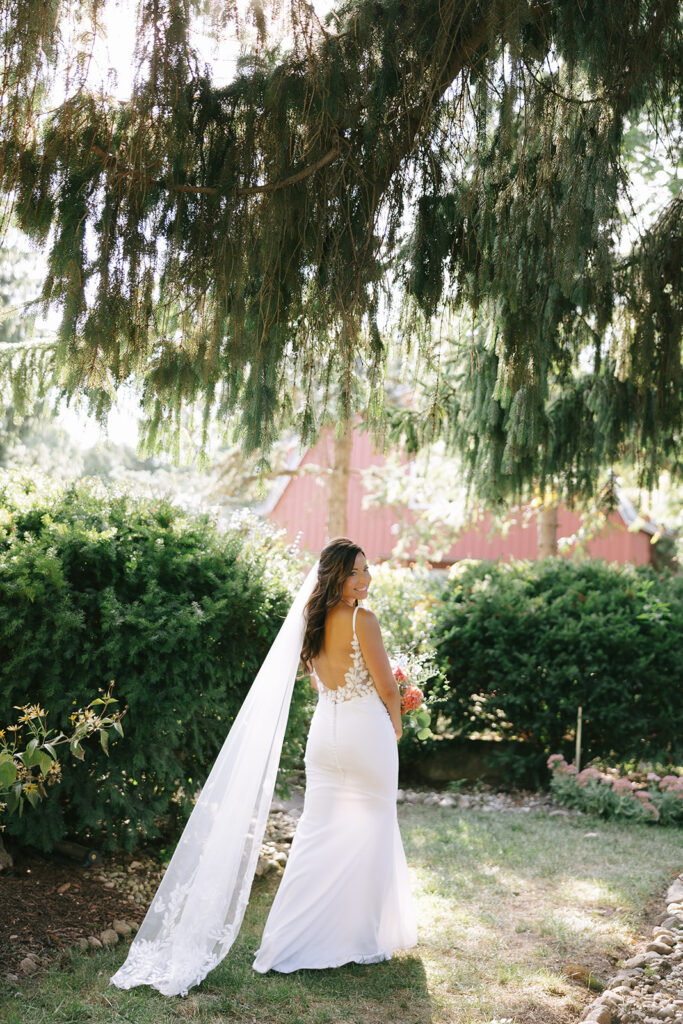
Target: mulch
(47, 904)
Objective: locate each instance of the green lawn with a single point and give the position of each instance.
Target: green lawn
(505, 901)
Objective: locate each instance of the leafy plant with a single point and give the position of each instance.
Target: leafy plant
(660, 800)
(28, 766)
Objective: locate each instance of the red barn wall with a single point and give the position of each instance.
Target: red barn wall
(302, 511)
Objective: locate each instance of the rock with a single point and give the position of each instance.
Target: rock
(110, 885)
(670, 922)
(625, 978)
(109, 937)
(83, 944)
(431, 799)
(641, 960)
(133, 925)
(658, 947)
(28, 965)
(94, 942)
(557, 813)
(121, 927)
(262, 866)
(11, 977)
(136, 865)
(667, 1012)
(663, 935)
(400, 796)
(675, 892)
(600, 1015)
(464, 800)
(63, 888)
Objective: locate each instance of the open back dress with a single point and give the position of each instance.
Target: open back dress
(345, 893)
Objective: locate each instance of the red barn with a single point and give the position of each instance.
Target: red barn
(299, 504)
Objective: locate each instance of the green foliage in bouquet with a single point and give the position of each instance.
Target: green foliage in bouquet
(524, 644)
(96, 586)
(406, 602)
(658, 801)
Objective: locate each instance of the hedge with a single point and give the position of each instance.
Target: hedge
(95, 587)
(524, 644)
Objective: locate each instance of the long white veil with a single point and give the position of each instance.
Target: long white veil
(197, 911)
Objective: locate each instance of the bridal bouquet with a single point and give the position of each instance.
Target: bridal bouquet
(409, 670)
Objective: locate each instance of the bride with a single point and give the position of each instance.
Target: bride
(345, 894)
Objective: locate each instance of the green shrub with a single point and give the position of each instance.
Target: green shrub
(524, 644)
(97, 587)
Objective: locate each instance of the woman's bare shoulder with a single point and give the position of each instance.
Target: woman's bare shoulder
(367, 622)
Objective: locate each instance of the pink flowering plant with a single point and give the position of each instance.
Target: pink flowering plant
(411, 672)
(655, 799)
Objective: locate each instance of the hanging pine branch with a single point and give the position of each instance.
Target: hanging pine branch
(213, 242)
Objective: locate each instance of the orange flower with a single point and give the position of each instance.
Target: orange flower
(411, 699)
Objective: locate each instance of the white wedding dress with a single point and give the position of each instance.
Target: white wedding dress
(345, 893)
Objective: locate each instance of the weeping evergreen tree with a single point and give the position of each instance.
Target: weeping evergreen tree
(217, 242)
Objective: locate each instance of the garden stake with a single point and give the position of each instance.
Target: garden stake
(578, 740)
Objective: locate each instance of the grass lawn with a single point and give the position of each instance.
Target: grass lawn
(505, 901)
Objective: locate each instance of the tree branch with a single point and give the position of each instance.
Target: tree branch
(109, 160)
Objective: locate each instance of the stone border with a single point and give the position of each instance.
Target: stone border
(649, 987)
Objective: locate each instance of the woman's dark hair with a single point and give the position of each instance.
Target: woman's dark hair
(335, 565)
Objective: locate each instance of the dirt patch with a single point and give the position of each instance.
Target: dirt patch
(48, 904)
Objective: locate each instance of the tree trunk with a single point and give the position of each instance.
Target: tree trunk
(338, 483)
(547, 531)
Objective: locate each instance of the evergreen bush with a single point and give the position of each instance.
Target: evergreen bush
(524, 644)
(96, 586)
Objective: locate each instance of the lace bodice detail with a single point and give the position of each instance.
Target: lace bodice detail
(357, 680)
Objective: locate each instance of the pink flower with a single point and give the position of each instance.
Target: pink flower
(651, 809)
(400, 674)
(411, 699)
(642, 794)
(671, 782)
(622, 786)
(652, 777)
(553, 759)
(585, 776)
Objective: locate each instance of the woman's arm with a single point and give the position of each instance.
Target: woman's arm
(372, 649)
(308, 668)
